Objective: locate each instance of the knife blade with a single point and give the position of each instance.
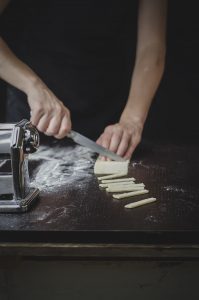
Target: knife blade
(86, 142)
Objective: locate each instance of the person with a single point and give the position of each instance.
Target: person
(93, 66)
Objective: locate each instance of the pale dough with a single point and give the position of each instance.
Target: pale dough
(111, 167)
(117, 175)
(118, 180)
(117, 184)
(140, 203)
(128, 188)
(130, 194)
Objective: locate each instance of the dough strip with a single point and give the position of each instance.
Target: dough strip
(118, 189)
(118, 180)
(120, 184)
(140, 203)
(116, 175)
(130, 194)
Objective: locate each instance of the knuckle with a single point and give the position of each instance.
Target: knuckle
(113, 148)
(125, 145)
(64, 129)
(58, 109)
(61, 134)
(38, 110)
(108, 129)
(106, 138)
(124, 142)
(118, 127)
(40, 128)
(118, 134)
(102, 136)
(107, 134)
(129, 131)
(49, 133)
(58, 136)
(52, 131)
(67, 112)
(136, 139)
(34, 123)
(49, 113)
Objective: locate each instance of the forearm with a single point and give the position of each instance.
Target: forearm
(124, 136)
(146, 77)
(14, 71)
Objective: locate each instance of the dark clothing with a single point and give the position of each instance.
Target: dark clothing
(82, 49)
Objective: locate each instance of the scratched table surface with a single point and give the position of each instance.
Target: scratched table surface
(72, 207)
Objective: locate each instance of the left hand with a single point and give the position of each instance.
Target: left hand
(121, 138)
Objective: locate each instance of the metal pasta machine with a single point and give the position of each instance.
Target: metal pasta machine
(17, 141)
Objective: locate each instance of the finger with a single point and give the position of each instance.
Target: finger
(35, 116)
(106, 139)
(100, 157)
(115, 141)
(124, 143)
(65, 127)
(135, 141)
(130, 151)
(54, 125)
(103, 158)
(43, 123)
(98, 141)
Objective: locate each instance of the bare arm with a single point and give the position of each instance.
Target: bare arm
(124, 136)
(14, 71)
(48, 112)
(150, 57)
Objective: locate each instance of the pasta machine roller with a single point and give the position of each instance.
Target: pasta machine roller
(17, 141)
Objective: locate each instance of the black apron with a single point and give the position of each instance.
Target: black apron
(84, 51)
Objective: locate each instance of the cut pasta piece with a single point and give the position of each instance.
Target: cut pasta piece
(111, 167)
(117, 175)
(119, 189)
(130, 194)
(118, 184)
(140, 203)
(118, 180)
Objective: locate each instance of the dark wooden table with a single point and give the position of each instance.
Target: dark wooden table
(76, 210)
(75, 220)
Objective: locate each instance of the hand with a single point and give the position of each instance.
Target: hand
(122, 138)
(48, 113)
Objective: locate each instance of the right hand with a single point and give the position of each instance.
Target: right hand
(48, 113)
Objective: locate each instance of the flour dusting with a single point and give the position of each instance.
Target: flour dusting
(59, 166)
(170, 188)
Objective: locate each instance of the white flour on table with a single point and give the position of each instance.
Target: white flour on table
(62, 165)
(170, 188)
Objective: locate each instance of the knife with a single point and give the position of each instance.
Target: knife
(84, 141)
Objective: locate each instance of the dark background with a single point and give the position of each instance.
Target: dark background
(174, 113)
